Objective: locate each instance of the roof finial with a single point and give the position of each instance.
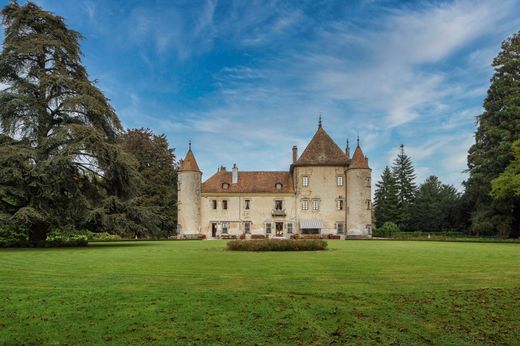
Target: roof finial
(189, 144)
(319, 122)
(358, 140)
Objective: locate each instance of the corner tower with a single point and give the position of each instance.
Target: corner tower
(189, 195)
(359, 206)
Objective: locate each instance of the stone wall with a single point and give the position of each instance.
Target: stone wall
(359, 213)
(189, 199)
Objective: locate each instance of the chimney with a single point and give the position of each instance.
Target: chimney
(294, 153)
(234, 174)
(347, 150)
(223, 168)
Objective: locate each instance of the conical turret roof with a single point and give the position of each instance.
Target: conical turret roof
(189, 163)
(358, 159)
(322, 150)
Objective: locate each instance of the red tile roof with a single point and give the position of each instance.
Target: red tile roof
(189, 163)
(249, 182)
(358, 159)
(322, 151)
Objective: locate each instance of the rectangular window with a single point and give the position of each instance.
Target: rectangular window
(339, 204)
(278, 204)
(315, 204)
(247, 204)
(247, 227)
(340, 180)
(214, 204)
(305, 181)
(305, 204)
(225, 227)
(224, 204)
(369, 204)
(340, 227)
(289, 227)
(268, 227)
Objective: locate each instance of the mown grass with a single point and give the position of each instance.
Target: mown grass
(196, 292)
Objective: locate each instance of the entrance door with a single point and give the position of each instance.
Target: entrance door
(213, 230)
(279, 229)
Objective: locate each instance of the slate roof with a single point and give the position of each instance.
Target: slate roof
(322, 151)
(189, 163)
(249, 182)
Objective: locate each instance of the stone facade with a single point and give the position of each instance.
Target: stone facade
(325, 191)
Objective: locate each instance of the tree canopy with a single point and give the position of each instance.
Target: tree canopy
(59, 154)
(498, 128)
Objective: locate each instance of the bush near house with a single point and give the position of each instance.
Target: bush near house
(277, 245)
(257, 236)
(387, 230)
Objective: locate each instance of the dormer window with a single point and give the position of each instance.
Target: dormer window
(278, 186)
(225, 186)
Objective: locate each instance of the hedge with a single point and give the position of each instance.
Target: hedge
(43, 243)
(277, 245)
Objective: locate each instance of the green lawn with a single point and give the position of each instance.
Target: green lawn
(195, 292)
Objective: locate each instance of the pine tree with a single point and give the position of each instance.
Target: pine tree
(59, 157)
(385, 199)
(498, 128)
(435, 207)
(404, 175)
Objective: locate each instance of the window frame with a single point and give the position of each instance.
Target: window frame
(340, 180)
(247, 227)
(276, 204)
(290, 229)
(214, 204)
(305, 204)
(342, 224)
(247, 204)
(315, 204)
(340, 204)
(225, 228)
(305, 180)
(225, 204)
(268, 227)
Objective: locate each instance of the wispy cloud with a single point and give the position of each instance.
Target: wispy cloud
(247, 80)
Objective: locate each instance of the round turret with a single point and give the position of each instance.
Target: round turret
(359, 206)
(189, 196)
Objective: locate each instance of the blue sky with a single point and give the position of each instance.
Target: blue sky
(246, 80)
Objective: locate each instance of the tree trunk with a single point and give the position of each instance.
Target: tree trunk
(38, 230)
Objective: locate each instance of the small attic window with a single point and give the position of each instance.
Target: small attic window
(278, 186)
(225, 186)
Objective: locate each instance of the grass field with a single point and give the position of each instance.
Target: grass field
(195, 292)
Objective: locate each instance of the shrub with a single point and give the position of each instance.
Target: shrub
(103, 236)
(13, 233)
(42, 243)
(277, 245)
(243, 236)
(387, 230)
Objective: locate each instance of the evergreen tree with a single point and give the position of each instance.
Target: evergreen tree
(435, 207)
(59, 157)
(498, 128)
(156, 164)
(385, 199)
(404, 175)
(507, 185)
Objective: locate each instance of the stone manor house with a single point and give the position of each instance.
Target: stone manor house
(325, 191)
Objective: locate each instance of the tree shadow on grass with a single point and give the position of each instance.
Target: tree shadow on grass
(101, 245)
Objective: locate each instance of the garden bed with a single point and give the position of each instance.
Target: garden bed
(277, 245)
